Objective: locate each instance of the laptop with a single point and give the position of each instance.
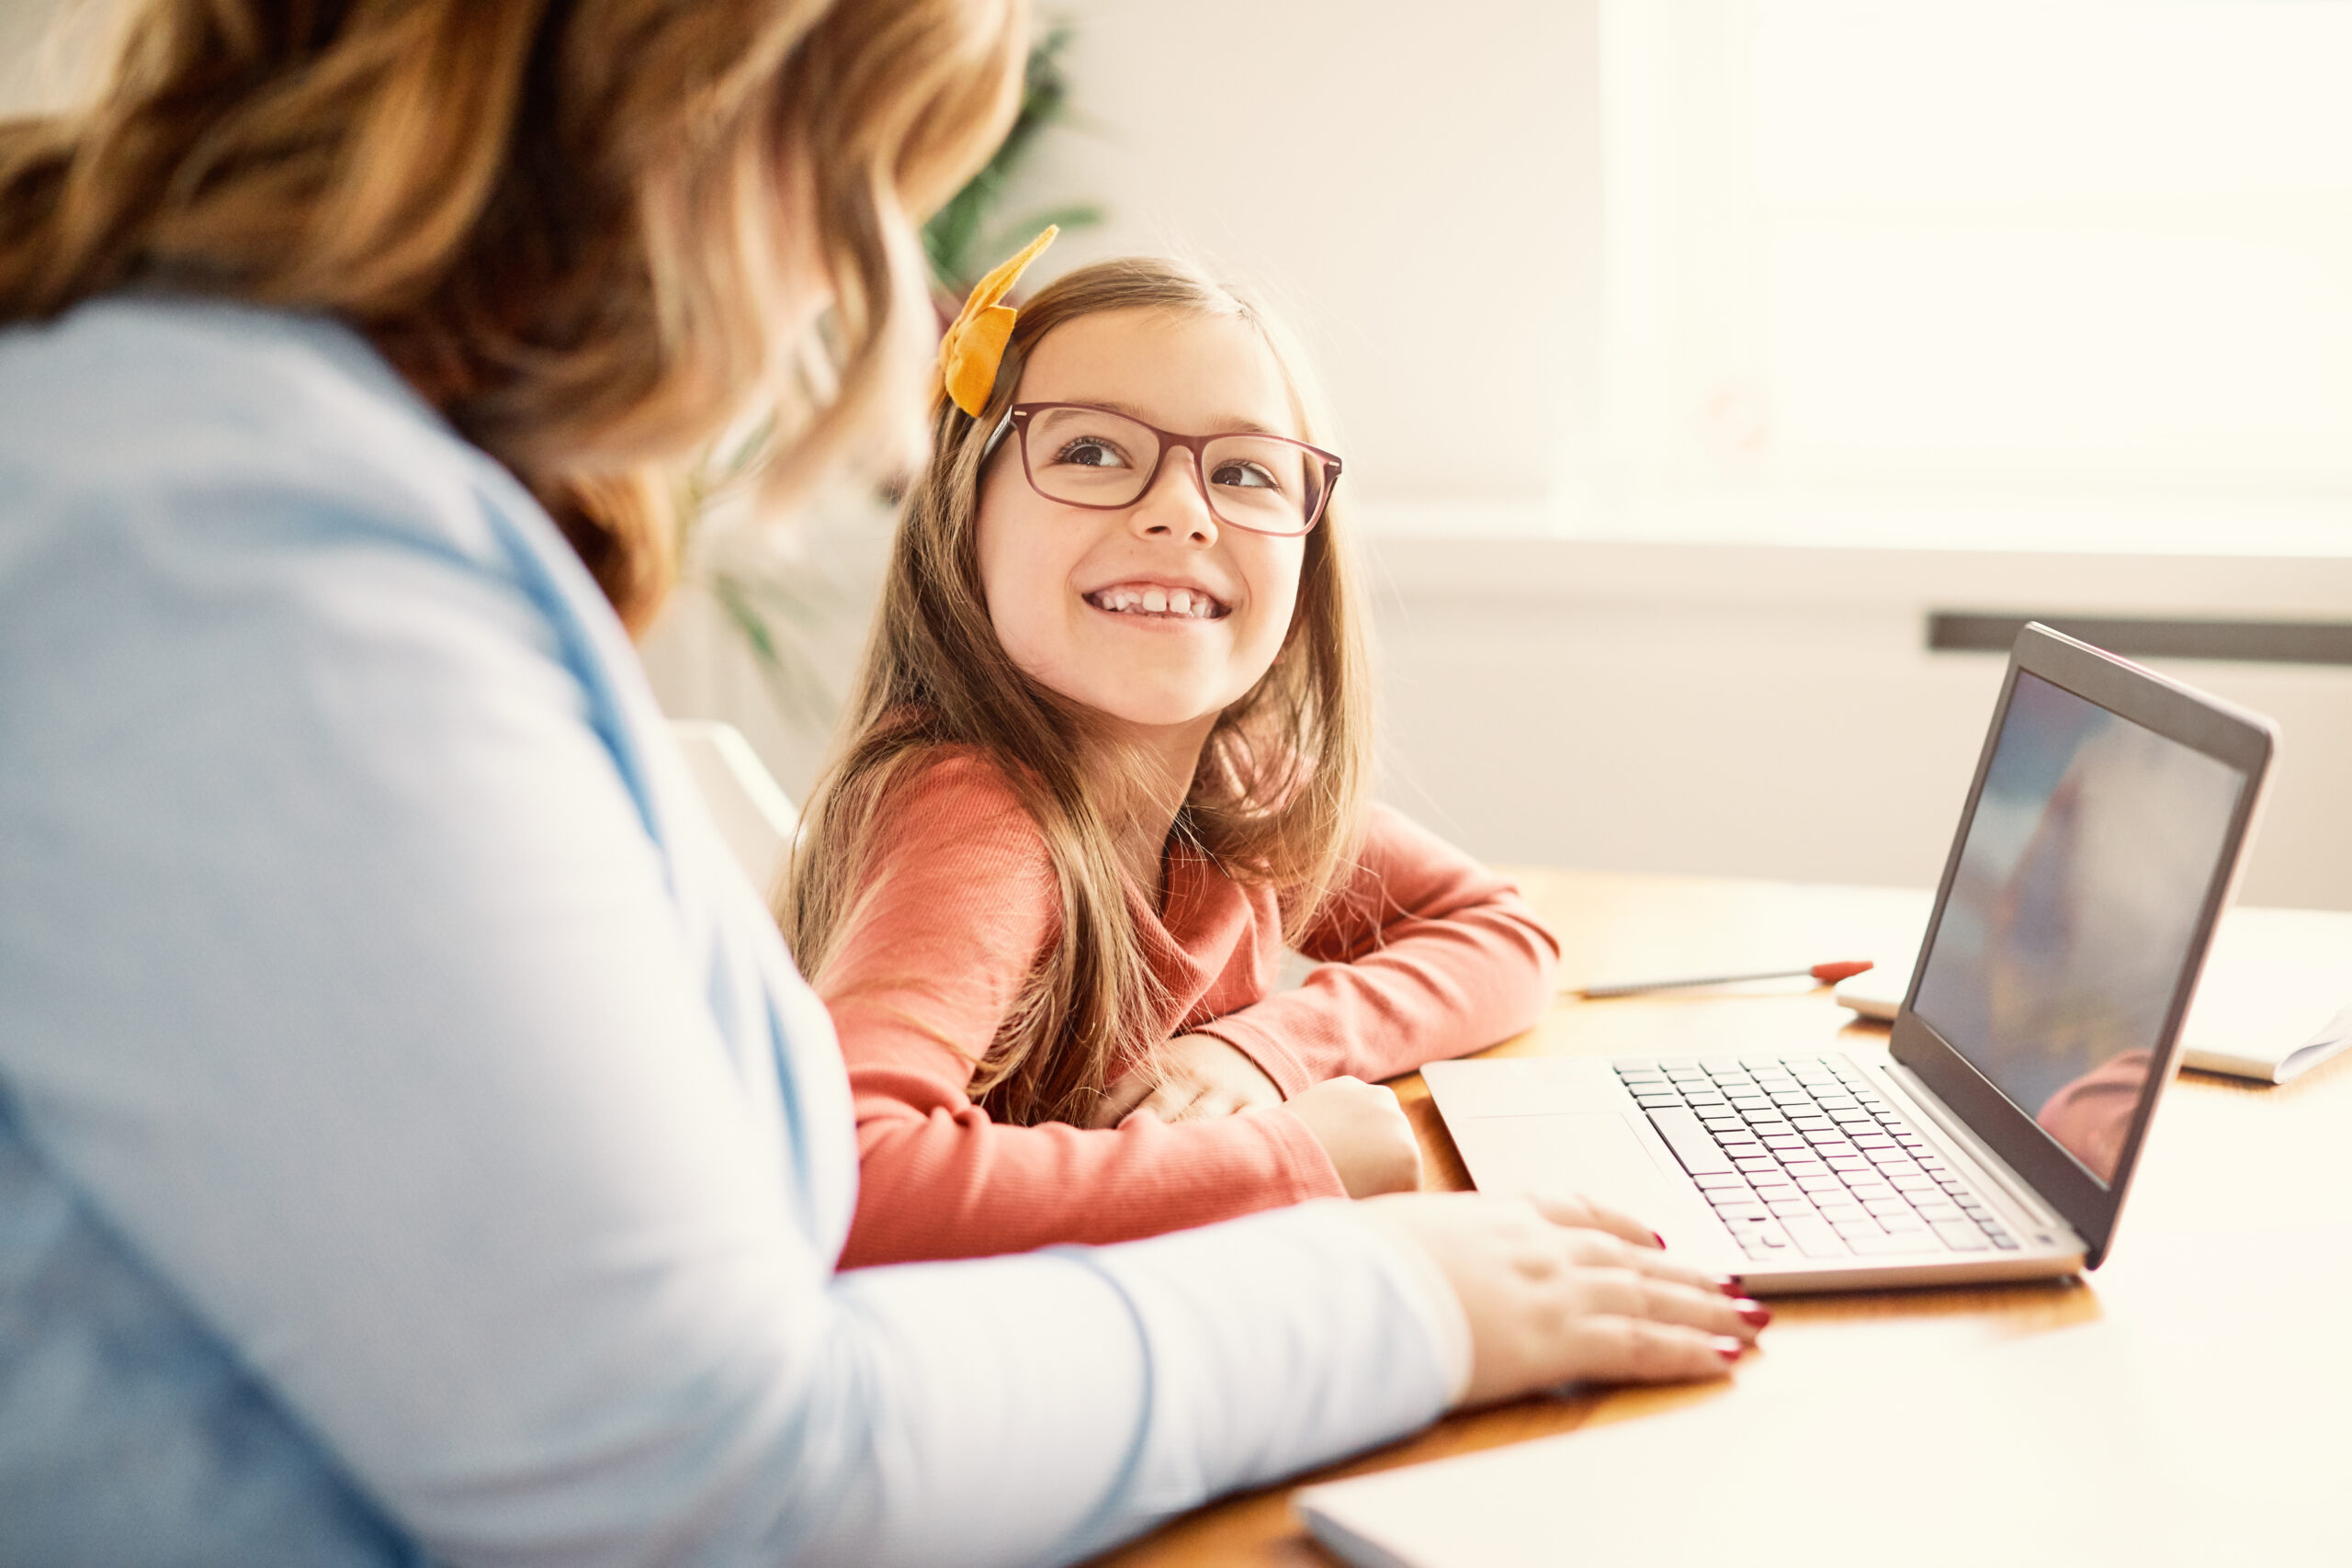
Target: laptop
(1995, 1135)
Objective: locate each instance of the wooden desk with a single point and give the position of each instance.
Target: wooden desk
(2216, 1245)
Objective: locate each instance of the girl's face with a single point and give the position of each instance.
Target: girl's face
(1070, 590)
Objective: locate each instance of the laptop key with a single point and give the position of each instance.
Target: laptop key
(1814, 1237)
(1726, 1178)
(1884, 1245)
(1961, 1235)
(1690, 1143)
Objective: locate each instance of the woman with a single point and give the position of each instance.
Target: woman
(414, 1141)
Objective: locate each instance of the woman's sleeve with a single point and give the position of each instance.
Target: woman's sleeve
(957, 902)
(340, 974)
(1423, 953)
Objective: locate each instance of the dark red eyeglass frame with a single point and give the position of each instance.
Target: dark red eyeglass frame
(1016, 420)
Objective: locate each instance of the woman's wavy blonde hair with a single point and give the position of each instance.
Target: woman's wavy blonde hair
(1277, 799)
(573, 225)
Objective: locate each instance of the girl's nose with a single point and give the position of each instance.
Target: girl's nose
(1175, 506)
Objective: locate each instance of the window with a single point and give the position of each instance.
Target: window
(1978, 275)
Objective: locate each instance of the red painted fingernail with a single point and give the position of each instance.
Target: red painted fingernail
(1731, 1286)
(1730, 1349)
(1755, 1313)
(1659, 1239)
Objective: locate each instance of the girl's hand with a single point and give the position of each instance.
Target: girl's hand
(1365, 1131)
(1551, 1301)
(1195, 1075)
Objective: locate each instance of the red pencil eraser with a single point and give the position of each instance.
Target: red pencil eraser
(1830, 974)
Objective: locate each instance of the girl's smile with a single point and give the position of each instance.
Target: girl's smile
(1156, 599)
(1154, 614)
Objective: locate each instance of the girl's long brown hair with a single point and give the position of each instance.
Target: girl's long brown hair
(1277, 798)
(567, 222)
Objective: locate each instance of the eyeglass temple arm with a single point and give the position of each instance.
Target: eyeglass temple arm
(996, 437)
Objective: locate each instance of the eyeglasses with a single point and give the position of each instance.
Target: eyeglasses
(1083, 455)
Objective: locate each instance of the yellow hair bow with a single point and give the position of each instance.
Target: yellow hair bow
(974, 345)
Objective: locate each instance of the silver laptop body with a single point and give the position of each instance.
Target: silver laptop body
(1995, 1135)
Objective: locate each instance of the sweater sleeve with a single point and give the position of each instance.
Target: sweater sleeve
(1423, 953)
(959, 902)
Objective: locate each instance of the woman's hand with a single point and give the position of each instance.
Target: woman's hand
(1365, 1131)
(1194, 1076)
(1552, 1299)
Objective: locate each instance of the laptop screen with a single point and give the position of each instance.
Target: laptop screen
(2079, 889)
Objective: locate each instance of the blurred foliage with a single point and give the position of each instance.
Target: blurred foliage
(969, 235)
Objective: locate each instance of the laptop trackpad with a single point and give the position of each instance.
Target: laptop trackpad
(1594, 1153)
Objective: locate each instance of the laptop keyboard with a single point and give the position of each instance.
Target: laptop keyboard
(1800, 1156)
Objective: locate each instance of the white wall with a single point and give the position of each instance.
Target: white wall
(1417, 186)
(1751, 711)
(1775, 712)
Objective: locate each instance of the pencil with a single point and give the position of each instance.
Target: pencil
(1826, 974)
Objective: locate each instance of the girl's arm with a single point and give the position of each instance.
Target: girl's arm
(958, 902)
(1424, 953)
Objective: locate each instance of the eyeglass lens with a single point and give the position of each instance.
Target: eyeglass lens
(1093, 457)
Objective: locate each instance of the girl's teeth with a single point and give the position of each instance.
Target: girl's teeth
(1160, 602)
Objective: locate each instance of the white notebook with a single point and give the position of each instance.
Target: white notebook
(2275, 1000)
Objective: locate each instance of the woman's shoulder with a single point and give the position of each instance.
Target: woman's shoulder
(127, 402)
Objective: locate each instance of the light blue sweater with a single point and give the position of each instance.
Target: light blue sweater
(415, 1139)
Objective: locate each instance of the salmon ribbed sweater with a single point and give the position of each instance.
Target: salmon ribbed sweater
(1424, 954)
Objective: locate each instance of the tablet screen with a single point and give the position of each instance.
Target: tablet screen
(2080, 884)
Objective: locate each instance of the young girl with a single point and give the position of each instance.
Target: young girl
(1108, 757)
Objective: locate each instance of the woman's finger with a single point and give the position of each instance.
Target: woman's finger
(1575, 1209)
(1595, 1249)
(1631, 1293)
(1632, 1349)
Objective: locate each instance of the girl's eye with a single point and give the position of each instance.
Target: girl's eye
(1245, 475)
(1091, 452)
